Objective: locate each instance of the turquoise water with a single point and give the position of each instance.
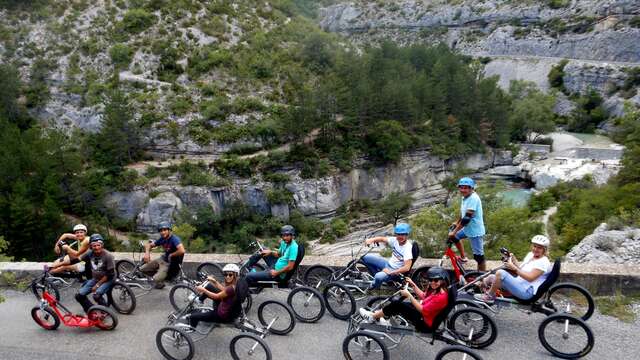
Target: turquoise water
(517, 197)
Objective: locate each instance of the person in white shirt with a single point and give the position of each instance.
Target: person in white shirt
(521, 280)
(384, 270)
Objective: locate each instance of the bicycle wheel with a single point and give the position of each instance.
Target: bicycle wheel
(318, 276)
(566, 336)
(306, 303)
(209, 269)
(45, 317)
(249, 346)
(174, 343)
(571, 299)
(362, 345)
(122, 298)
(277, 316)
(246, 305)
(473, 326)
(419, 277)
(125, 267)
(339, 301)
(181, 295)
(465, 303)
(37, 288)
(457, 352)
(104, 317)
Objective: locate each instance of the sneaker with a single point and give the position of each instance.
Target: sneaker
(464, 259)
(367, 315)
(485, 298)
(384, 322)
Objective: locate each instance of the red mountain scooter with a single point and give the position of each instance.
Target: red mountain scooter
(48, 313)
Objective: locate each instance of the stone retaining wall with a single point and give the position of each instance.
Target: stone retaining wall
(605, 279)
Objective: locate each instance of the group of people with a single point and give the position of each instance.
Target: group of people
(520, 279)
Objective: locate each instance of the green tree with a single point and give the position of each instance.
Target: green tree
(118, 142)
(532, 112)
(386, 141)
(394, 207)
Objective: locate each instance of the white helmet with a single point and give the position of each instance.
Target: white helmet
(231, 268)
(540, 240)
(80, 227)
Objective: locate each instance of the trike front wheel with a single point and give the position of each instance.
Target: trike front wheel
(249, 346)
(122, 298)
(45, 317)
(307, 304)
(278, 317)
(174, 343)
(571, 299)
(181, 295)
(103, 318)
(339, 301)
(566, 336)
(361, 345)
(457, 352)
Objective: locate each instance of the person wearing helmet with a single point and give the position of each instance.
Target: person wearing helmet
(279, 261)
(384, 270)
(223, 295)
(470, 224)
(173, 254)
(70, 258)
(421, 313)
(521, 279)
(102, 273)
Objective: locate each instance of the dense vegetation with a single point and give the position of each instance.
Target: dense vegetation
(282, 74)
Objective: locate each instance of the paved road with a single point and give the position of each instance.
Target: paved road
(21, 338)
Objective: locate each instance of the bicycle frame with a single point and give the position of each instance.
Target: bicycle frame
(67, 317)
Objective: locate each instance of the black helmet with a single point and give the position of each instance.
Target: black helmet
(96, 238)
(437, 272)
(288, 230)
(164, 225)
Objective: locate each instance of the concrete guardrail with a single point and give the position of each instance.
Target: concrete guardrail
(601, 279)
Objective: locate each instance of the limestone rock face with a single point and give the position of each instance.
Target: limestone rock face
(127, 205)
(162, 207)
(608, 247)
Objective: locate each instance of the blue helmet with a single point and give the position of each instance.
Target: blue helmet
(467, 181)
(402, 229)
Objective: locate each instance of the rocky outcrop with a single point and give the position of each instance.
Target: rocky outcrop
(160, 208)
(608, 247)
(418, 173)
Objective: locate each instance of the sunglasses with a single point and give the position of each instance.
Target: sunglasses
(432, 280)
(79, 232)
(229, 274)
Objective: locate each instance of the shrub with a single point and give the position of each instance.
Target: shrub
(279, 196)
(137, 20)
(556, 75)
(120, 55)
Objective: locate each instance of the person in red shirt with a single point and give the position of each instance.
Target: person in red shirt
(420, 313)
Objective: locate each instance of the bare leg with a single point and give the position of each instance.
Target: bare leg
(56, 265)
(496, 283)
(460, 248)
(378, 314)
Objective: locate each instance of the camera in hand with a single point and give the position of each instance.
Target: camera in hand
(505, 254)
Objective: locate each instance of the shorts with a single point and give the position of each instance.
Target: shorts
(477, 242)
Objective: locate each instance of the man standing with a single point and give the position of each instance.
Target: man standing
(173, 253)
(471, 223)
(400, 261)
(102, 272)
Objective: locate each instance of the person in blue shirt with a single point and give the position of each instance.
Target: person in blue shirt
(173, 253)
(279, 261)
(470, 224)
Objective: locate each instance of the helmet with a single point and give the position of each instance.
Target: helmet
(231, 268)
(540, 240)
(80, 227)
(402, 229)
(96, 238)
(287, 230)
(164, 225)
(467, 181)
(437, 272)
